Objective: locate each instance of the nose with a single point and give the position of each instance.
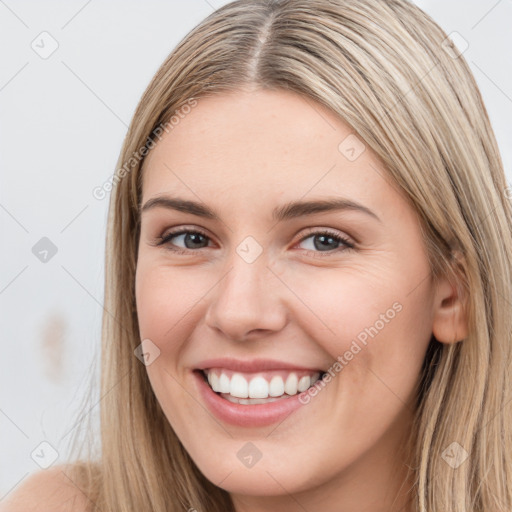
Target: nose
(246, 304)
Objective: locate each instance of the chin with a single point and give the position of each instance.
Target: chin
(260, 480)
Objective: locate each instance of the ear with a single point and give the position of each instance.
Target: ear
(450, 323)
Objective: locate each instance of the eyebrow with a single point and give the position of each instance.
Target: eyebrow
(287, 211)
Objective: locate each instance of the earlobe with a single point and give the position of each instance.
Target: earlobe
(450, 323)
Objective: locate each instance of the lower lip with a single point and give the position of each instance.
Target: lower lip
(257, 415)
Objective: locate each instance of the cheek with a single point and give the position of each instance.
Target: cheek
(370, 319)
(167, 299)
(338, 305)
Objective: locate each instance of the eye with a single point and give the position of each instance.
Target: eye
(326, 241)
(192, 239)
(186, 240)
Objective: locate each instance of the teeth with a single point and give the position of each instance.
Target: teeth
(240, 388)
(224, 383)
(258, 388)
(290, 387)
(276, 386)
(251, 401)
(213, 380)
(304, 383)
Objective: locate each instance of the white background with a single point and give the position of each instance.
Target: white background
(62, 122)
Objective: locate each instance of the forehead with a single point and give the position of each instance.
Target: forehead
(265, 145)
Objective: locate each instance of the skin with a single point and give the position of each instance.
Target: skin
(243, 154)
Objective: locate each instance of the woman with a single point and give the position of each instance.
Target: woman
(308, 276)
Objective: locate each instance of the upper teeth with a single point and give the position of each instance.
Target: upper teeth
(272, 384)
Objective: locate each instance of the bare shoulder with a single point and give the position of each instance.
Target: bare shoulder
(50, 490)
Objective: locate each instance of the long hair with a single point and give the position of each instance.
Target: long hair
(387, 70)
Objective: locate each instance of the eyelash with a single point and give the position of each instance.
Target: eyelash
(164, 241)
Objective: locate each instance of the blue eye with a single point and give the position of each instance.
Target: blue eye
(324, 241)
(191, 239)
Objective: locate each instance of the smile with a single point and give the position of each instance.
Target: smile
(259, 388)
(253, 393)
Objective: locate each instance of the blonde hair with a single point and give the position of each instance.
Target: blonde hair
(384, 67)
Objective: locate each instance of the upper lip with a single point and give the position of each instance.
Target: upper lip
(252, 365)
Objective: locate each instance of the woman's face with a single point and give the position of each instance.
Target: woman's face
(257, 289)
